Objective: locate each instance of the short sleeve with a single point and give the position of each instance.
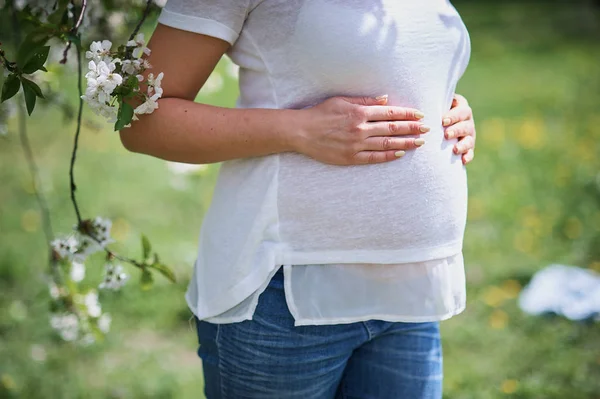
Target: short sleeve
(222, 19)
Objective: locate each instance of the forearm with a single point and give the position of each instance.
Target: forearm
(183, 131)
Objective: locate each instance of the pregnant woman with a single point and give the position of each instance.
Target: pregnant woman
(333, 244)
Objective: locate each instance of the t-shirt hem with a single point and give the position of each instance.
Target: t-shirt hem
(382, 317)
(231, 297)
(370, 256)
(253, 281)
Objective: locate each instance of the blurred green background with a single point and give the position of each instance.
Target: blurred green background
(534, 85)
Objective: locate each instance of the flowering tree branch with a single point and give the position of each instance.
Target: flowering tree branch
(112, 77)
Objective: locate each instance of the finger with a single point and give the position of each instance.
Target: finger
(465, 144)
(366, 100)
(372, 157)
(460, 129)
(459, 100)
(394, 128)
(459, 113)
(390, 113)
(468, 157)
(392, 143)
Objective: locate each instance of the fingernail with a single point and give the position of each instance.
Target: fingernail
(419, 142)
(446, 121)
(399, 154)
(450, 134)
(424, 128)
(381, 98)
(419, 115)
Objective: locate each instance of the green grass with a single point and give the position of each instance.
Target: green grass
(533, 83)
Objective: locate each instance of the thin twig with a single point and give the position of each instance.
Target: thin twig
(80, 19)
(110, 253)
(139, 24)
(74, 29)
(76, 140)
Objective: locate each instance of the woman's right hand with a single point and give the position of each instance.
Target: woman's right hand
(358, 130)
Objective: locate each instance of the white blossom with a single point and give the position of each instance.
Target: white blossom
(77, 272)
(65, 247)
(103, 78)
(131, 67)
(116, 20)
(114, 277)
(104, 323)
(54, 291)
(66, 324)
(38, 353)
(155, 82)
(91, 303)
(101, 82)
(149, 105)
(139, 43)
(99, 228)
(87, 339)
(99, 51)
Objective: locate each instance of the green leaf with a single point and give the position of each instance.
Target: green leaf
(75, 39)
(57, 16)
(146, 247)
(10, 87)
(124, 116)
(31, 91)
(165, 271)
(146, 280)
(34, 86)
(32, 43)
(36, 61)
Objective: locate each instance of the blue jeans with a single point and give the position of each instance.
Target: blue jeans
(268, 357)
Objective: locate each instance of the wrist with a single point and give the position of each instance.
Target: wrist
(293, 132)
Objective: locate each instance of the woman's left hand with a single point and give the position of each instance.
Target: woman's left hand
(459, 124)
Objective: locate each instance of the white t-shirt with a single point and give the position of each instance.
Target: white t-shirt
(381, 240)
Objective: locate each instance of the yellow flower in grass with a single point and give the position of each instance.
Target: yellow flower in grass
(511, 288)
(494, 296)
(525, 241)
(509, 386)
(8, 382)
(530, 134)
(498, 319)
(532, 222)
